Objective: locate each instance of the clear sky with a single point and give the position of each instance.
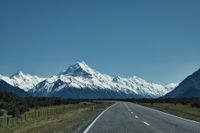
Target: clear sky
(157, 40)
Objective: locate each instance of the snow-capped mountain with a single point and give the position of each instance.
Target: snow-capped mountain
(21, 80)
(81, 81)
(4, 86)
(171, 86)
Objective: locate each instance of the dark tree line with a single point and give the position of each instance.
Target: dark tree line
(15, 105)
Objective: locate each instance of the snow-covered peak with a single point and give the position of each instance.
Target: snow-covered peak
(136, 78)
(18, 74)
(79, 69)
(25, 76)
(22, 80)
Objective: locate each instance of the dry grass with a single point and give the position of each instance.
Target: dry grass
(181, 110)
(73, 120)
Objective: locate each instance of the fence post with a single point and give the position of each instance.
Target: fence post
(25, 116)
(7, 123)
(35, 113)
(1, 123)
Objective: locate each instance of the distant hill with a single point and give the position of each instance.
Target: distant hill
(188, 88)
(4, 86)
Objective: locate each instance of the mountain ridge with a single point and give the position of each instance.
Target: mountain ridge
(22, 80)
(5, 87)
(80, 76)
(81, 81)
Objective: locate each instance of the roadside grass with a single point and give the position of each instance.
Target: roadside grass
(74, 119)
(182, 110)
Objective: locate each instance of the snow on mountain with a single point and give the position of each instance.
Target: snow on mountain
(23, 81)
(171, 86)
(79, 79)
(4, 86)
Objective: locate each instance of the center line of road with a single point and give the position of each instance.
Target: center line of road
(127, 107)
(146, 123)
(136, 116)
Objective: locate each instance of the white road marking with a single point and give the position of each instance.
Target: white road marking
(88, 128)
(131, 112)
(146, 123)
(127, 107)
(136, 117)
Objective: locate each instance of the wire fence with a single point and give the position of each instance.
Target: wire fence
(8, 121)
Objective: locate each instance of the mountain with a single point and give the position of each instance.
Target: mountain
(81, 81)
(21, 80)
(188, 88)
(170, 86)
(4, 86)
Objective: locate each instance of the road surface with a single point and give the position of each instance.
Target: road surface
(124, 117)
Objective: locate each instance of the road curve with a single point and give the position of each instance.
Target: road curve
(124, 117)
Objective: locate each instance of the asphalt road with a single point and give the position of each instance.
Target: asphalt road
(124, 117)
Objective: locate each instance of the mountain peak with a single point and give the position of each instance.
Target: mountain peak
(116, 79)
(19, 73)
(81, 63)
(79, 69)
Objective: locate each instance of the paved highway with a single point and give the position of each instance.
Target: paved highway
(124, 117)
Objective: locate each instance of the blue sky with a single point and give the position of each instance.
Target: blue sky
(158, 40)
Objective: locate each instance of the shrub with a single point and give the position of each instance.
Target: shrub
(1, 113)
(195, 104)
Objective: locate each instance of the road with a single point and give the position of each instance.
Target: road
(124, 117)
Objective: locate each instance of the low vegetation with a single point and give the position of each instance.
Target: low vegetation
(46, 115)
(16, 106)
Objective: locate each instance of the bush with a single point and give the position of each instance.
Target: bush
(1, 113)
(13, 111)
(195, 104)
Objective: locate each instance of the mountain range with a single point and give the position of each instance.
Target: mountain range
(82, 82)
(21, 80)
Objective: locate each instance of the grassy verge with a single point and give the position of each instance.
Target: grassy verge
(185, 111)
(74, 119)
